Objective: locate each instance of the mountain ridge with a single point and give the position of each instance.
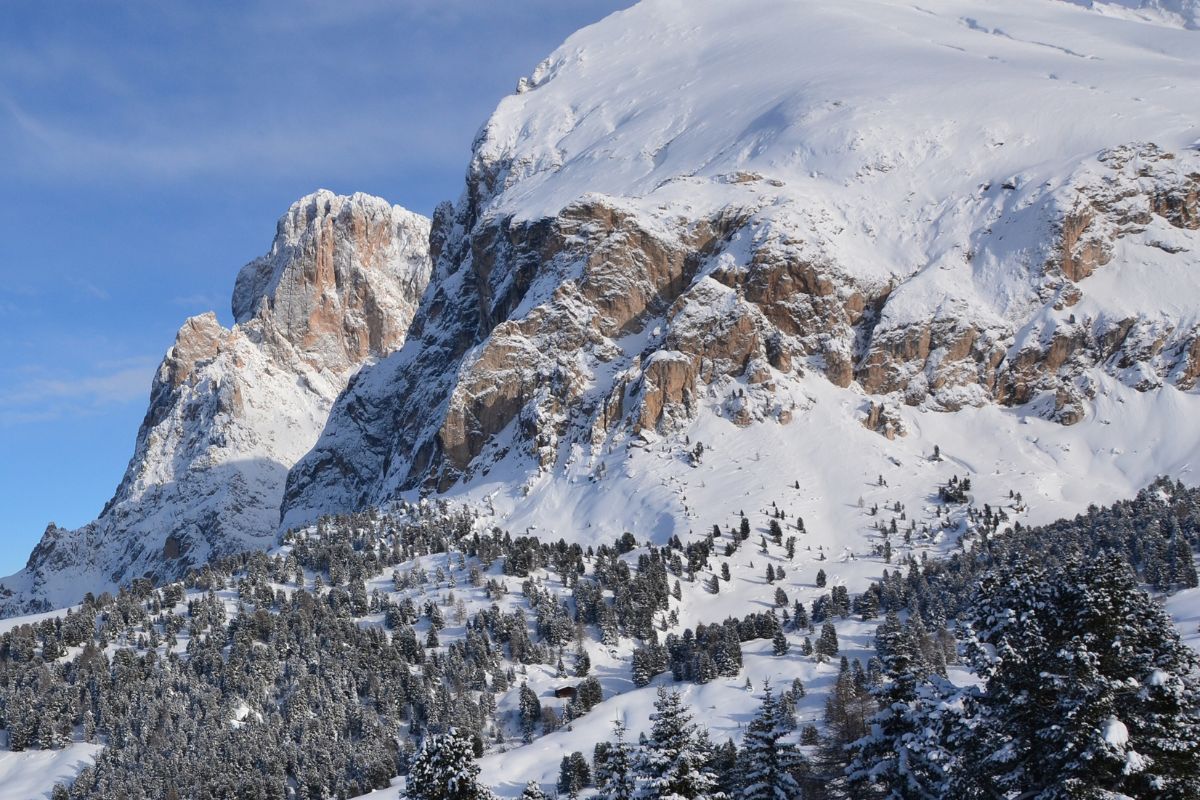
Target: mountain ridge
(661, 244)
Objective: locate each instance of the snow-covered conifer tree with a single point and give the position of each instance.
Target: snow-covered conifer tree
(674, 763)
(769, 763)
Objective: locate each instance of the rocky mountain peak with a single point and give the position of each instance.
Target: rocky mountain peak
(337, 270)
(661, 236)
(232, 409)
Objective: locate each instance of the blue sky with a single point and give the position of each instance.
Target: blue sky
(149, 146)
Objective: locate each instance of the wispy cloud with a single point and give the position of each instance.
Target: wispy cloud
(327, 88)
(203, 302)
(88, 289)
(35, 394)
(342, 142)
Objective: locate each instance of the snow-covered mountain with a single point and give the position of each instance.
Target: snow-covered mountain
(776, 229)
(232, 409)
(1184, 13)
(782, 267)
(710, 211)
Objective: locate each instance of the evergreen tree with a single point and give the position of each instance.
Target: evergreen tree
(725, 765)
(799, 616)
(1087, 690)
(827, 643)
(444, 769)
(675, 760)
(903, 756)
(617, 780)
(589, 693)
(769, 763)
(533, 791)
(583, 664)
(574, 774)
(530, 709)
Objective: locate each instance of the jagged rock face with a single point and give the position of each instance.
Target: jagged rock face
(341, 280)
(647, 235)
(232, 409)
(1127, 199)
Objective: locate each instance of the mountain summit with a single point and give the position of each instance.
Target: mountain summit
(232, 409)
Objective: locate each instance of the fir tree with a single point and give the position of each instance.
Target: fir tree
(530, 709)
(574, 774)
(583, 664)
(1086, 690)
(675, 761)
(533, 791)
(827, 643)
(617, 780)
(903, 756)
(444, 769)
(769, 763)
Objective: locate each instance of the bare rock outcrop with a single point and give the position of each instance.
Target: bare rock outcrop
(600, 322)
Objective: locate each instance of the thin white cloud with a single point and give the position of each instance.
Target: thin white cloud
(341, 142)
(40, 396)
(201, 301)
(272, 91)
(89, 289)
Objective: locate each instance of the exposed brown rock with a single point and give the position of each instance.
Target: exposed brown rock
(340, 281)
(1082, 249)
(668, 383)
(199, 340)
(1189, 363)
(884, 419)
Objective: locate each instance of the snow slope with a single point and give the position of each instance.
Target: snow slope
(32, 775)
(653, 490)
(865, 98)
(1185, 13)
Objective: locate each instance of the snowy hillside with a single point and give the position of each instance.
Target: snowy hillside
(329, 660)
(1185, 13)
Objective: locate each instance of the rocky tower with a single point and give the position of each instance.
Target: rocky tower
(232, 409)
(659, 226)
